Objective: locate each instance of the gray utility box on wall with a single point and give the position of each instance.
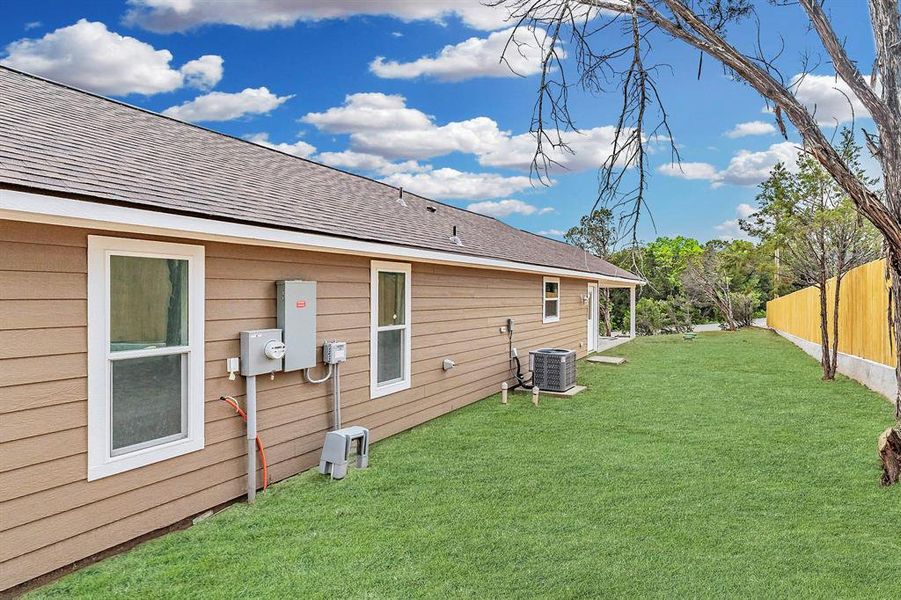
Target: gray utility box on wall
(296, 317)
(261, 351)
(553, 369)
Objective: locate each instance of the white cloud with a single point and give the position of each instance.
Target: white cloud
(730, 229)
(688, 170)
(750, 168)
(222, 106)
(829, 99)
(745, 168)
(505, 208)
(384, 125)
(751, 128)
(360, 161)
(475, 57)
(88, 55)
(32, 25)
(298, 148)
(552, 233)
(369, 112)
(744, 210)
(204, 72)
(472, 136)
(180, 15)
(451, 183)
(590, 148)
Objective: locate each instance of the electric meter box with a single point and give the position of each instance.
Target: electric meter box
(296, 317)
(261, 351)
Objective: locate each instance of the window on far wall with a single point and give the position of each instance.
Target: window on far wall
(551, 310)
(390, 358)
(145, 352)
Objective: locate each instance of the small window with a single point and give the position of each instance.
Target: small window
(145, 353)
(551, 300)
(390, 356)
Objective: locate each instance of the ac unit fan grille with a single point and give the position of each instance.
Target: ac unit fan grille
(553, 369)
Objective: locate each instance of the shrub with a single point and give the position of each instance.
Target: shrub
(648, 316)
(743, 308)
(677, 313)
(662, 316)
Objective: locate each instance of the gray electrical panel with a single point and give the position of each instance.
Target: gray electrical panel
(296, 317)
(261, 351)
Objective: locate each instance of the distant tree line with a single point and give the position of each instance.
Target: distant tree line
(687, 282)
(805, 232)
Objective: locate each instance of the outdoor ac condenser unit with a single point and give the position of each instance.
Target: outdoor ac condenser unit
(553, 369)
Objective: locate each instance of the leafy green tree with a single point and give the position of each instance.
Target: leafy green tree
(769, 225)
(665, 259)
(749, 267)
(707, 283)
(649, 316)
(812, 223)
(596, 234)
(661, 263)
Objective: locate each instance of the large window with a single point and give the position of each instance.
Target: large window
(551, 300)
(145, 352)
(390, 334)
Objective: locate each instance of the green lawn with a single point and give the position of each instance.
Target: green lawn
(719, 467)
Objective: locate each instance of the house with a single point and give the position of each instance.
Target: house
(119, 226)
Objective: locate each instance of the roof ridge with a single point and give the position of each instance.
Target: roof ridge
(257, 147)
(243, 140)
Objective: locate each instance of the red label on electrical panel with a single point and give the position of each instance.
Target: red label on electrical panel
(301, 304)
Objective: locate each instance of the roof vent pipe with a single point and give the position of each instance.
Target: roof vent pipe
(454, 238)
(400, 197)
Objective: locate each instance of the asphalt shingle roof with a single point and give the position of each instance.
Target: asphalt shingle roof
(62, 140)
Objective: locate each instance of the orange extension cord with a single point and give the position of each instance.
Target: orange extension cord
(234, 404)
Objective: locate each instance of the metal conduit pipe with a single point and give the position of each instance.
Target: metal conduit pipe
(306, 375)
(336, 385)
(251, 383)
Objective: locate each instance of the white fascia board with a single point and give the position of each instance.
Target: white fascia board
(55, 210)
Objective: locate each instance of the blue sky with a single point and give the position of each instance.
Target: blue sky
(436, 114)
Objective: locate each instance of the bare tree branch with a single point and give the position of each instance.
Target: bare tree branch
(703, 24)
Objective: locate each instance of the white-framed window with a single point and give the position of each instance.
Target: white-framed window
(550, 301)
(145, 352)
(389, 347)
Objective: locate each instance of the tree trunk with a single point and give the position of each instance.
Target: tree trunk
(778, 265)
(724, 303)
(894, 261)
(826, 357)
(605, 313)
(889, 448)
(728, 318)
(833, 366)
(890, 441)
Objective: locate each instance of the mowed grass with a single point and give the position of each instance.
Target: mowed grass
(721, 467)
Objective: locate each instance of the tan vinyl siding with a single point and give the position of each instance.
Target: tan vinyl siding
(50, 515)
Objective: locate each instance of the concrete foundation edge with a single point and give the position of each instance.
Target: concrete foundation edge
(876, 376)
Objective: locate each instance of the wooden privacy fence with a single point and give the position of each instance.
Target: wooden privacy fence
(863, 314)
